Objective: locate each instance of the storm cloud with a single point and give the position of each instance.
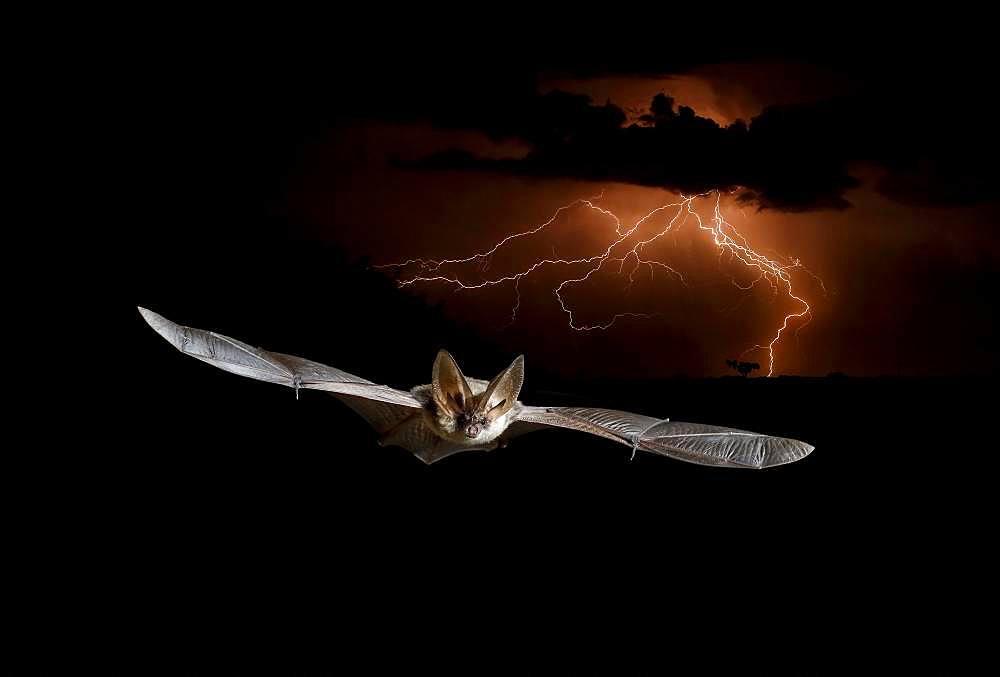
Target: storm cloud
(791, 158)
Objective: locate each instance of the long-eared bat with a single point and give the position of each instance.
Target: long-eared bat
(454, 413)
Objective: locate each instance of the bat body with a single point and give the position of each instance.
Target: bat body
(454, 413)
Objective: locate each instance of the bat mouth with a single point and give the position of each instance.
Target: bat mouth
(473, 430)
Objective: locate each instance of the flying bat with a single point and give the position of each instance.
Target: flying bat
(454, 413)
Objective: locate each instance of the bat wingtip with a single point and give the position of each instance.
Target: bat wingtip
(154, 320)
(794, 450)
(160, 325)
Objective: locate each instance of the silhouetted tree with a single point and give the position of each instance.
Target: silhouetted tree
(742, 368)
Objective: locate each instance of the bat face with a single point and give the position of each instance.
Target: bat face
(470, 411)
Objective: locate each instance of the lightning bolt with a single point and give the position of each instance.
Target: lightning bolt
(773, 270)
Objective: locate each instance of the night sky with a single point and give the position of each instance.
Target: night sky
(267, 169)
(871, 166)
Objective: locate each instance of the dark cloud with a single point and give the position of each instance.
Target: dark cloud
(778, 160)
(919, 111)
(792, 157)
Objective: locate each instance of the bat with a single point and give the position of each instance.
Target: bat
(454, 413)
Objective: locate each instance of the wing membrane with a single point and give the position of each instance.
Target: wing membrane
(287, 370)
(691, 442)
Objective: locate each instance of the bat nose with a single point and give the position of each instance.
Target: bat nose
(472, 430)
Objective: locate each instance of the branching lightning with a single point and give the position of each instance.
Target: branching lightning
(626, 248)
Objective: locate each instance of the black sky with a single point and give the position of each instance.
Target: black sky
(882, 146)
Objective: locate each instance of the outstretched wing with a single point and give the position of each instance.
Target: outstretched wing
(691, 442)
(395, 415)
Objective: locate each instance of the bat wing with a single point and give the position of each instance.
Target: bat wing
(394, 414)
(691, 442)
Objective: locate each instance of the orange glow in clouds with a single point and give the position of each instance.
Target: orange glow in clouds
(627, 247)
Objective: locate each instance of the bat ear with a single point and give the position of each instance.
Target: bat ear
(451, 391)
(502, 392)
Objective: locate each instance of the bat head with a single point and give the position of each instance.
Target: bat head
(474, 413)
